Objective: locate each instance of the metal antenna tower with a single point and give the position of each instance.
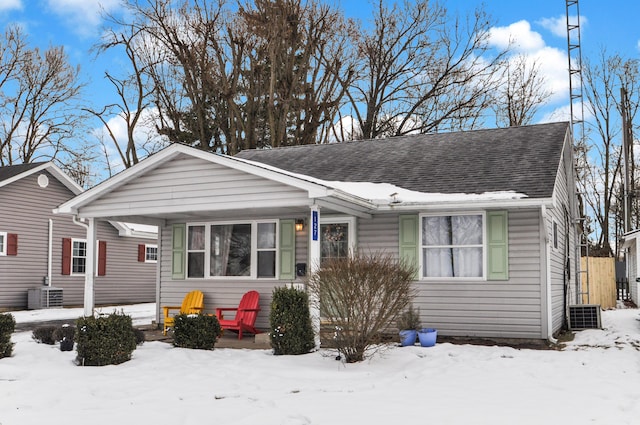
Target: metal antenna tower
(574, 53)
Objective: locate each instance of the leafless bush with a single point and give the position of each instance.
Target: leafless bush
(360, 297)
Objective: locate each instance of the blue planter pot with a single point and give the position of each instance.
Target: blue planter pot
(408, 337)
(428, 337)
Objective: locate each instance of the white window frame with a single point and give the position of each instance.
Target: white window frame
(3, 246)
(73, 242)
(350, 220)
(484, 246)
(254, 249)
(146, 253)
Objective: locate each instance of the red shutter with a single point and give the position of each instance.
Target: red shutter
(142, 253)
(12, 244)
(102, 258)
(66, 256)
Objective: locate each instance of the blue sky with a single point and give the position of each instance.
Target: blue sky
(538, 26)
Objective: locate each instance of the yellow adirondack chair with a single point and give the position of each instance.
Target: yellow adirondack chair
(193, 303)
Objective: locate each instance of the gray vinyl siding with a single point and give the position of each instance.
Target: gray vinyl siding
(632, 264)
(561, 215)
(187, 183)
(25, 209)
(508, 309)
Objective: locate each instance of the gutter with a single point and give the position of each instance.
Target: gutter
(479, 204)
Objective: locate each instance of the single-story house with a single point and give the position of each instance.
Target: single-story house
(43, 256)
(487, 216)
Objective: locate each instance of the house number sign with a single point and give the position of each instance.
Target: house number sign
(314, 225)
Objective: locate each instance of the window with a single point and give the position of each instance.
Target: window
(337, 237)
(452, 246)
(555, 235)
(3, 243)
(78, 256)
(247, 249)
(151, 253)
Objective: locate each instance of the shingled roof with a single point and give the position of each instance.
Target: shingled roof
(10, 171)
(521, 159)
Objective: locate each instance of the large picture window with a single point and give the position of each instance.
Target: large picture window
(452, 246)
(246, 249)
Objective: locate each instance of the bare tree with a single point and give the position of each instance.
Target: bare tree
(39, 91)
(134, 92)
(602, 182)
(422, 70)
(521, 93)
(299, 62)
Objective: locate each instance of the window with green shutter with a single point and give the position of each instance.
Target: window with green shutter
(177, 251)
(409, 240)
(497, 245)
(287, 249)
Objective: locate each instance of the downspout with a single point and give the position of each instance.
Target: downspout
(547, 244)
(50, 254)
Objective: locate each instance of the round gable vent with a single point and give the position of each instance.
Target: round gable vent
(43, 181)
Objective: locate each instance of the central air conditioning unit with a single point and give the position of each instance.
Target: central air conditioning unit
(585, 316)
(44, 297)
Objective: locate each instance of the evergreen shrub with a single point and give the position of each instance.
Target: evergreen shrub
(198, 331)
(290, 321)
(7, 326)
(105, 340)
(45, 334)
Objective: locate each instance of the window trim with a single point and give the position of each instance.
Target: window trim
(421, 247)
(3, 247)
(146, 253)
(350, 220)
(253, 275)
(71, 271)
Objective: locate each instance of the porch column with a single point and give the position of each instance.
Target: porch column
(314, 265)
(90, 268)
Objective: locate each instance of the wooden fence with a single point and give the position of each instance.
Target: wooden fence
(602, 281)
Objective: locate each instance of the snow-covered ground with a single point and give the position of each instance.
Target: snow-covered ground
(595, 380)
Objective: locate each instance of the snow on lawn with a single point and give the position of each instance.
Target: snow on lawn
(595, 379)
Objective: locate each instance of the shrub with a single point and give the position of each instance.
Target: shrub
(199, 331)
(45, 334)
(409, 319)
(139, 336)
(64, 332)
(361, 297)
(7, 326)
(105, 340)
(291, 330)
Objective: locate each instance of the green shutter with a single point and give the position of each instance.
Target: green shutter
(497, 245)
(287, 249)
(409, 234)
(178, 251)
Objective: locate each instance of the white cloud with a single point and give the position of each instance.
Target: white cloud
(558, 25)
(10, 5)
(84, 16)
(552, 62)
(517, 35)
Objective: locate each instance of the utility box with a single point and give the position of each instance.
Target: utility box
(44, 297)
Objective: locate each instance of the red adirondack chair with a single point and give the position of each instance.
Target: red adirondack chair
(246, 314)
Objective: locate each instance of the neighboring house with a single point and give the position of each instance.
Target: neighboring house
(632, 255)
(39, 248)
(487, 216)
